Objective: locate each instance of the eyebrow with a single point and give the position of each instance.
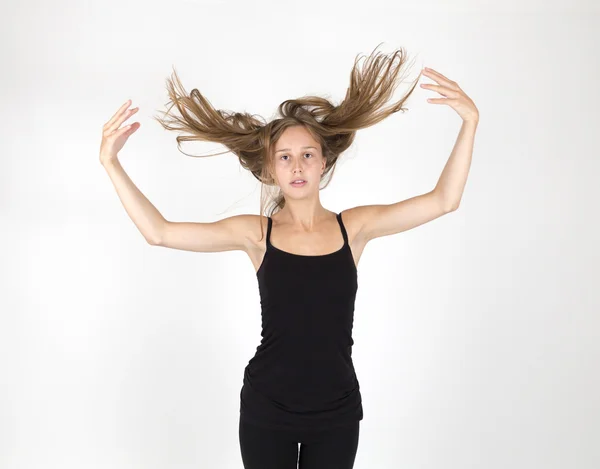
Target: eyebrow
(288, 149)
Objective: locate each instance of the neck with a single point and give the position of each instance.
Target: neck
(303, 214)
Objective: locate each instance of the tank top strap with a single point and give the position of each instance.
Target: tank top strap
(343, 228)
(270, 224)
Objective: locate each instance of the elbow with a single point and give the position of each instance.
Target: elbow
(446, 203)
(153, 241)
(451, 207)
(155, 238)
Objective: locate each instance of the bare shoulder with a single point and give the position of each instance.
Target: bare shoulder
(250, 225)
(256, 235)
(354, 219)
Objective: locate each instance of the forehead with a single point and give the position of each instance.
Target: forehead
(295, 137)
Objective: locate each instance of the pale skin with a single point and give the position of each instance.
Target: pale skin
(303, 226)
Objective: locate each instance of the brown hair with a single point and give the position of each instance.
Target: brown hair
(251, 138)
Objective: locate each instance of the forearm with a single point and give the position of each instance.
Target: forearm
(453, 179)
(144, 215)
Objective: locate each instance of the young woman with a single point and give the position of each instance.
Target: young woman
(300, 402)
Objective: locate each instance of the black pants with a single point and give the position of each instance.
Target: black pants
(263, 448)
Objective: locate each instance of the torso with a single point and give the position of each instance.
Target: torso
(324, 240)
(302, 376)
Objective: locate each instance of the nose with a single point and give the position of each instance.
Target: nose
(296, 166)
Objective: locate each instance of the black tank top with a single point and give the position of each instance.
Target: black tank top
(302, 376)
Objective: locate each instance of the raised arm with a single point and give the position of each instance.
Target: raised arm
(228, 234)
(223, 235)
(144, 215)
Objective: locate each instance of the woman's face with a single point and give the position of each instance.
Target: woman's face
(297, 155)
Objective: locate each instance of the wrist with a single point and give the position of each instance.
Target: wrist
(110, 162)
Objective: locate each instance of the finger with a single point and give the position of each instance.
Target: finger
(431, 86)
(119, 111)
(437, 76)
(432, 75)
(434, 72)
(441, 90)
(437, 100)
(124, 130)
(122, 118)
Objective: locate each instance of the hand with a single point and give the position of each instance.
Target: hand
(455, 96)
(113, 137)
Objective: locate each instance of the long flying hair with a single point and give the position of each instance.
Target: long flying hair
(252, 139)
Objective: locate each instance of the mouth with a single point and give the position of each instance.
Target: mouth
(301, 183)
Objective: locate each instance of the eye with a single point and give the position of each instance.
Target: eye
(304, 154)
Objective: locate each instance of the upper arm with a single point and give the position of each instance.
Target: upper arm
(228, 234)
(373, 221)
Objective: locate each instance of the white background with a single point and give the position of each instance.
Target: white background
(476, 335)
